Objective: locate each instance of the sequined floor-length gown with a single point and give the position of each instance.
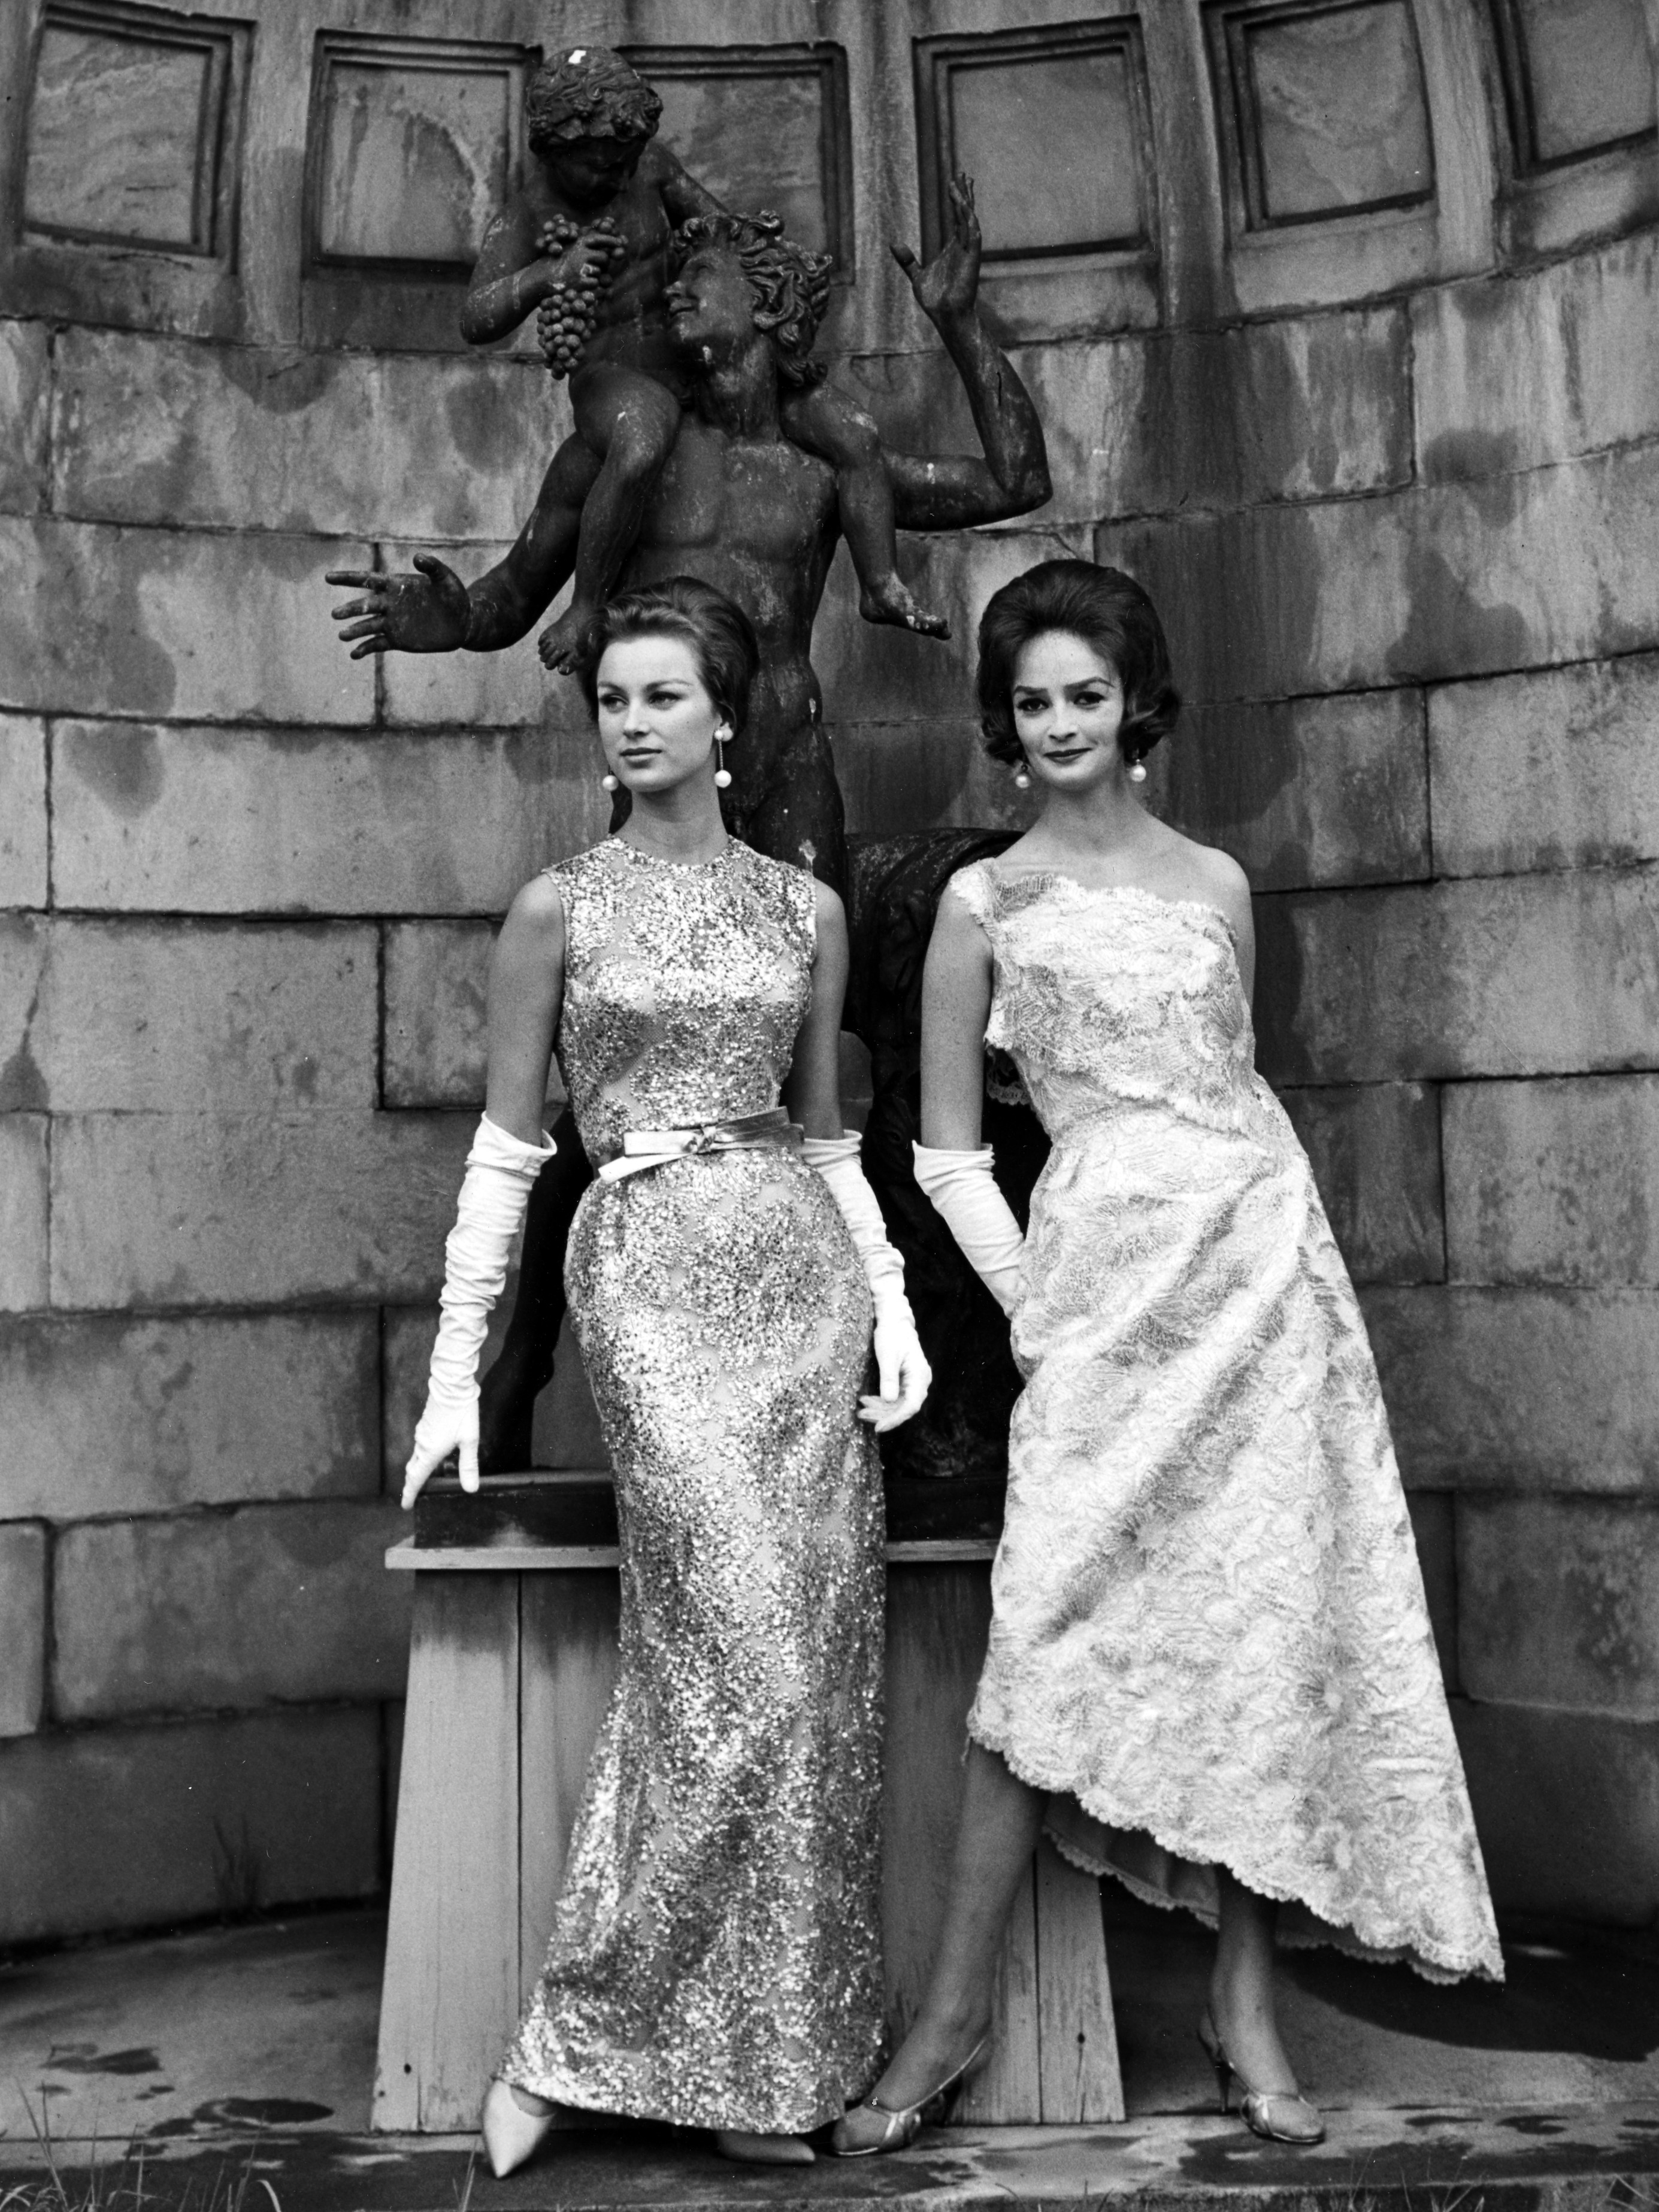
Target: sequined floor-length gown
(716, 1955)
(1209, 1637)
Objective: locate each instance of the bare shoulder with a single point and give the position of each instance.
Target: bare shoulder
(958, 924)
(829, 915)
(537, 914)
(1216, 878)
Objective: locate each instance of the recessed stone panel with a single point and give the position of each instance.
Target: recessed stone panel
(1323, 109)
(1578, 77)
(131, 128)
(413, 142)
(763, 127)
(1559, 1602)
(1052, 127)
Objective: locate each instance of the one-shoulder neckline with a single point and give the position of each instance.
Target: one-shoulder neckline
(1117, 890)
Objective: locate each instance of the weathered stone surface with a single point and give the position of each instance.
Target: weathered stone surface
(24, 1157)
(1555, 1182)
(1434, 1524)
(95, 620)
(1555, 769)
(435, 1036)
(217, 820)
(22, 1627)
(23, 942)
(1558, 1603)
(566, 1424)
(1375, 1155)
(165, 1017)
(23, 831)
(216, 1611)
(25, 409)
(1298, 408)
(1517, 976)
(1554, 564)
(1520, 1389)
(1302, 791)
(140, 1826)
(119, 1416)
(1512, 371)
(868, 670)
(484, 691)
(158, 430)
(1566, 1805)
(900, 777)
(251, 1209)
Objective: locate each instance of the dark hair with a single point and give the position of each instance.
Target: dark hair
(589, 93)
(791, 283)
(1107, 610)
(719, 632)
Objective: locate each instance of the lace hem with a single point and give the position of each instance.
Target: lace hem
(1431, 1961)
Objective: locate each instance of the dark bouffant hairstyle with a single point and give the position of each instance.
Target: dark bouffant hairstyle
(791, 283)
(589, 93)
(1107, 610)
(718, 631)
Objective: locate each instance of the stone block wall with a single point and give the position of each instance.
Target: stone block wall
(1391, 476)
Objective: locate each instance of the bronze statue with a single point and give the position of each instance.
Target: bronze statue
(740, 505)
(586, 244)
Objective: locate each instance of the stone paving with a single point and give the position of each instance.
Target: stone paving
(229, 2057)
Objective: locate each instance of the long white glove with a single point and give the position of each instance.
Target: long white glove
(979, 1216)
(903, 1371)
(494, 1192)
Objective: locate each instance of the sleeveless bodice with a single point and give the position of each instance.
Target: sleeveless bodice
(686, 984)
(1112, 996)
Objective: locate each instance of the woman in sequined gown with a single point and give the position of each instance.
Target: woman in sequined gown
(714, 1960)
(1210, 1664)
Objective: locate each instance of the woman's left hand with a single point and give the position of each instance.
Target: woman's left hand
(902, 1371)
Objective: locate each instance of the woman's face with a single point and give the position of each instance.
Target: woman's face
(1069, 710)
(656, 719)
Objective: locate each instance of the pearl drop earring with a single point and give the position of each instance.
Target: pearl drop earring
(607, 783)
(1137, 771)
(722, 773)
(1022, 779)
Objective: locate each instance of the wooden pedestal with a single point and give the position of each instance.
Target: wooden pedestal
(511, 1669)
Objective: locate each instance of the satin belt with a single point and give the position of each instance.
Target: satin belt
(651, 1148)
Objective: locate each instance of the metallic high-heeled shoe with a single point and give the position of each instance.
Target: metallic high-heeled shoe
(901, 2123)
(510, 2134)
(1277, 2115)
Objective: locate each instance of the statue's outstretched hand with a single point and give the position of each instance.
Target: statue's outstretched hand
(948, 283)
(403, 613)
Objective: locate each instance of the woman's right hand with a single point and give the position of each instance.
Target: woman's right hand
(443, 1428)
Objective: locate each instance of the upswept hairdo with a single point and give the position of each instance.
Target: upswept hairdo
(1107, 610)
(791, 283)
(588, 92)
(719, 632)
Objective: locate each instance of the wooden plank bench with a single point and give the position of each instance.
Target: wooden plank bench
(510, 1667)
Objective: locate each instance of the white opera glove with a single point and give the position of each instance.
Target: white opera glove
(902, 1370)
(979, 1216)
(494, 1192)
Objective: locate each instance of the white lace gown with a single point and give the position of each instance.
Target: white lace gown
(1209, 1637)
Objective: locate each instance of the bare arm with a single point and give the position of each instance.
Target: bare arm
(526, 989)
(812, 1092)
(507, 280)
(955, 491)
(682, 197)
(434, 611)
(956, 1006)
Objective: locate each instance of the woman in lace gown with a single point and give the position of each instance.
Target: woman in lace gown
(715, 1959)
(1210, 1661)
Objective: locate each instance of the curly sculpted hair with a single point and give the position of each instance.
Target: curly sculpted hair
(791, 283)
(719, 632)
(1107, 610)
(589, 93)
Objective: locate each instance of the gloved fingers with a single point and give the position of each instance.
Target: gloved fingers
(423, 1466)
(469, 1463)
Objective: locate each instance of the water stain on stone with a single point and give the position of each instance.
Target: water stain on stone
(122, 765)
(283, 383)
(1532, 2123)
(76, 2058)
(1459, 455)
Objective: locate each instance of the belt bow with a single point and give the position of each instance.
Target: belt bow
(652, 1148)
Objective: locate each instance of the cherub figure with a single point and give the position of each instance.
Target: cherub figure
(585, 244)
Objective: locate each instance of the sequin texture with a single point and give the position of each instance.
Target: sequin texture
(1209, 1634)
(716, 1955)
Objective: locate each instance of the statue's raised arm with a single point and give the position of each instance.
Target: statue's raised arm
(955, 491)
